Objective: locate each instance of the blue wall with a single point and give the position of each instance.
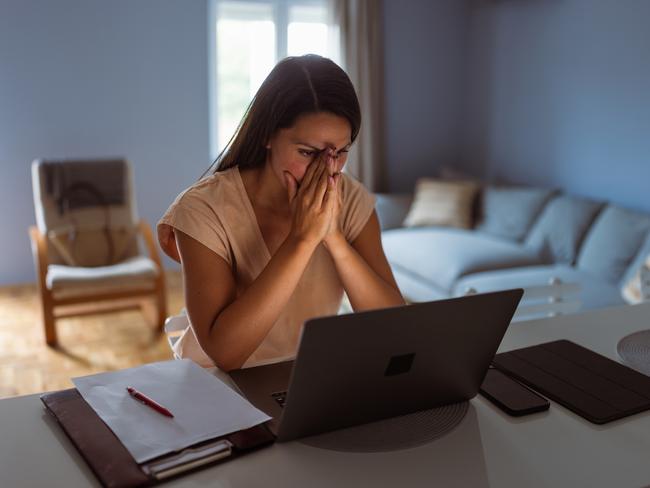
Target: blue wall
(123, 77)
(545, 92)
(424, 72)
(558, 94)
(94, 78)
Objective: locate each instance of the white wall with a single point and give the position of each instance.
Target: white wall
(99, 78)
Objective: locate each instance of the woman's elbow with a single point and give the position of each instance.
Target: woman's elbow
(226, 360)
(227, 365)
(221, 350)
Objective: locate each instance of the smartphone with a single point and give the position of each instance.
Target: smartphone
(511, 396)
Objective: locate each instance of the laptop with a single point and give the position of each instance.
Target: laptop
(367, 366)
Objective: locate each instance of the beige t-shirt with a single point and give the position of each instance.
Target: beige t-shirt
(217, 212)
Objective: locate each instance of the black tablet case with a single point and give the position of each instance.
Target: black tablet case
(587, 383)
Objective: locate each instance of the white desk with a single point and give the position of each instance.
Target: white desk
(554, 448)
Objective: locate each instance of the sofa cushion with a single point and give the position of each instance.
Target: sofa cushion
(444, 203)
(136, 272)
(392, 208)
(594, 292)
(509, 212)
(559, 231)
(613, 242)
(439, 256)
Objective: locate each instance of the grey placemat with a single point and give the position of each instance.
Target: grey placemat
(404, 432)
(634, 350)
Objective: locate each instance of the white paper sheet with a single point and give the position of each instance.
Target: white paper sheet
(202, 405)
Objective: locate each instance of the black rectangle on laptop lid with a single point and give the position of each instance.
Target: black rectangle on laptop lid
(589, 384)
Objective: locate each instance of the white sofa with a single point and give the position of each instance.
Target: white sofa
(522, 237)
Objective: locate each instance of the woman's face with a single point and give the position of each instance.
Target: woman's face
(293, 149)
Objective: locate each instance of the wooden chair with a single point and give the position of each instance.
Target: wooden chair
(174, 327)
(88, 224)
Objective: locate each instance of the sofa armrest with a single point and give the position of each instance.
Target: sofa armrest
(392, 209)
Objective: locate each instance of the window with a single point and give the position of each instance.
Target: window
(248, 37)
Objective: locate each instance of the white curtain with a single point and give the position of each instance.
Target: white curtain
(358, 24)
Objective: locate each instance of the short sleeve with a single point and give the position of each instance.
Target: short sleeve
(193, 215)
(358, 205)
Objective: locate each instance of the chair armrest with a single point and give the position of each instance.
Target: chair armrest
(392, 209)
(39, 251)
(145, 230)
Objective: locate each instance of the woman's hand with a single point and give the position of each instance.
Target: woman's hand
(334, 235)
(313, 202)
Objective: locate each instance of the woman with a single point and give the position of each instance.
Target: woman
(276, 234)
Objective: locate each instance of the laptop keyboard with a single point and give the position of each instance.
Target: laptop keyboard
(280, 397)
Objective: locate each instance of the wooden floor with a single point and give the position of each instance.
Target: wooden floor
(88, 344)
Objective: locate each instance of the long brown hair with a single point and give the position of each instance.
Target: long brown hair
(296, 86)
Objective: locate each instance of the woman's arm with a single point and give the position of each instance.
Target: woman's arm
(229, 329)
(364, 269)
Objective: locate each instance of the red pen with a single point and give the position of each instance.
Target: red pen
(141, 397)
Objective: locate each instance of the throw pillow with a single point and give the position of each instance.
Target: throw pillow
(557, 234)
(442, 203)
(509, 212)
(637, 289)
(636, 281)
(613, 242)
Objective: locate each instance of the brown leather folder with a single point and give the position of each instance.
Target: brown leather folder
(106, 455)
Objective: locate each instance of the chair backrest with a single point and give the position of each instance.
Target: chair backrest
(554, 298)
(81, 201)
